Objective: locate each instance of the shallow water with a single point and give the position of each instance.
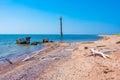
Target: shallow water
(9, 48)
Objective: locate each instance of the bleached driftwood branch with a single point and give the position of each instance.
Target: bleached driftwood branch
(35, 53)
(95, 52)
(30, 57)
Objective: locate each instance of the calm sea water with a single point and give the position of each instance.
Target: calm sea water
(9, 48)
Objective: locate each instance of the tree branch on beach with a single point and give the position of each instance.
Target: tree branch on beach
(95, 52)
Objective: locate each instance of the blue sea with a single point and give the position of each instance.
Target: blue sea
(9, 49)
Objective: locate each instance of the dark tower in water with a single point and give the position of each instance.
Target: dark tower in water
(61, 33)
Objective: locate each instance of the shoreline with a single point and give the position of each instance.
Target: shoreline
(83, 66)
(47, 47)
(18, 61)
(15, 58)
(5, 69)
(63, 56)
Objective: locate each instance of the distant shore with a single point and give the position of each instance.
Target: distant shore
(66, 61)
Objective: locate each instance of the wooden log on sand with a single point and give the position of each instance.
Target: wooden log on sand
(10, 62)
(95, 52)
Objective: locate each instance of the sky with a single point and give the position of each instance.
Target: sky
(42, 16)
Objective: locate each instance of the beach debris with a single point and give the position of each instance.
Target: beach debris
(28, 58)
(36, 53)
(6, 59)
(101, 46)
(95, 52)
(118, 42)
(23, 41)
(85, 47)
(32, 56)
(10, 62)
(107, 70)
(108, 50)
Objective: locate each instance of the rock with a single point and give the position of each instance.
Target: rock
(118, 42)
(36, 43)
(107, 70)
(23, 41)
(85, 47)
(45, 40)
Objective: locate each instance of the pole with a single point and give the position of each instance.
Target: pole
(61, 33)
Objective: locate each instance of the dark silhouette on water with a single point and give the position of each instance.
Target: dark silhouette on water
(23, 40)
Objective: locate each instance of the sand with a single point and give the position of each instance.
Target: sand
(69, 61)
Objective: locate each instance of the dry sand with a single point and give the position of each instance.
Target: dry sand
(69, 61)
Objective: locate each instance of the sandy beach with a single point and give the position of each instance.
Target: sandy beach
(68, 61)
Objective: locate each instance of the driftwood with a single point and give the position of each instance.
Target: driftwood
(101, 46)
(10, 62)
(95, 52)
(28, 58)
(6, 59)
(32, 56)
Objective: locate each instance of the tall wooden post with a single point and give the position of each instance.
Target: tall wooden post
(61, 33)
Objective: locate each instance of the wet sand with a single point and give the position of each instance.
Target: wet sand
(68, 61)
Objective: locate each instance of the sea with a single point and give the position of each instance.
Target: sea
(10, 50)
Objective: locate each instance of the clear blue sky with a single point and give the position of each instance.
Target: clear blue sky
(42, 16)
